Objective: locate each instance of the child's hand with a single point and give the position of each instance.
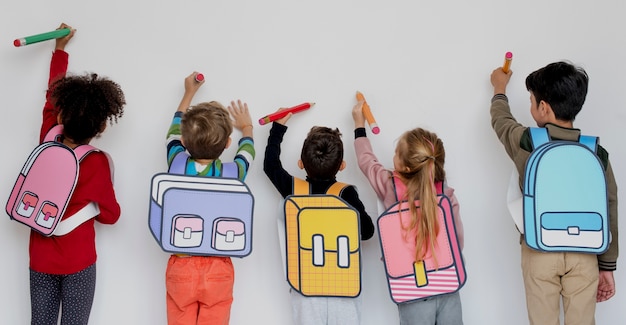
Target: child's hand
(192, 84)
(499, 80)
(62, 42)
(191, 87)
(241, 115)
(283, 121)
(357, 115)
(606, 286)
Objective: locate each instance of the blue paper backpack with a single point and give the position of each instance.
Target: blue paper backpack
(565, 196)
(198, 215)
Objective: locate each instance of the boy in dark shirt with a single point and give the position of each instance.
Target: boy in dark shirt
(321, 158)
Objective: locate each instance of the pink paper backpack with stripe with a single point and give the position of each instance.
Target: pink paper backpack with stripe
(439, 274)
(45, 185)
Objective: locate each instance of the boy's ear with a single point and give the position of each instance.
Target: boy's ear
(343, 165)
(544, 108)
(182, 141)
(300, 164)
(59, 118)
(228, 142)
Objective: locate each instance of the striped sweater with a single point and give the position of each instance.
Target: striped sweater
(243, 158)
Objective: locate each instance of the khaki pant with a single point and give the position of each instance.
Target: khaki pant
(548, 277)
(199, 290)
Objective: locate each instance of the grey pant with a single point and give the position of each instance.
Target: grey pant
(440, 310)
(325, 310)
(73, 293)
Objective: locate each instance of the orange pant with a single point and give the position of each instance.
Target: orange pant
(199, 290)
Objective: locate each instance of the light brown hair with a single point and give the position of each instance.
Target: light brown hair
(422, 156)
(205, 129)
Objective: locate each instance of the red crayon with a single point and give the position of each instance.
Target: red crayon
(199, 77)
(280, 114)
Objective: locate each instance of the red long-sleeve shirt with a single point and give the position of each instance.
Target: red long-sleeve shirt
(77, 250)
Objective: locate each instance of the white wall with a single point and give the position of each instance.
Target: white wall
(419, 63)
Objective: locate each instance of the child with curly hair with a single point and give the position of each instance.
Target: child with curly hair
(63, 268)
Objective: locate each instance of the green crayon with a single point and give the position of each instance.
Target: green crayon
(41, 37)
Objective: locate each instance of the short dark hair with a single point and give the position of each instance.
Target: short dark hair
(562, 85)
(322, 153)
(85, 103)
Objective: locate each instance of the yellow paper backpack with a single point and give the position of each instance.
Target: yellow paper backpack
(322, 242)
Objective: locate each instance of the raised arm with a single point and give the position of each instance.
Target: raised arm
(58, 69)
(191, 87)
(243, 122)
(173, 143)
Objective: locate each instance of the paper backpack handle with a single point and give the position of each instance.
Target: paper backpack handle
(419, 269)
(54, 133)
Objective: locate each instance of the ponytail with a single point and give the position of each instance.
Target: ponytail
(422, 155)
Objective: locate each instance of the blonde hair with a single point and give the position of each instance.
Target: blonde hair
(422, 157)
(205, 129)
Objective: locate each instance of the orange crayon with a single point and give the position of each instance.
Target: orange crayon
(280, 114)
(508, 57)
(367, 112)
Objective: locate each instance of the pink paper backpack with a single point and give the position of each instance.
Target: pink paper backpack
(410, 281)
(45, 185)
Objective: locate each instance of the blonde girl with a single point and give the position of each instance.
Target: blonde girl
(418, 165)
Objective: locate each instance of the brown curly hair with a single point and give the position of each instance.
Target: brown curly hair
(85, 103)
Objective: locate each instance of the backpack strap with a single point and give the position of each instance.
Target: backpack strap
(90, 210)
(400, 189)
(336, 188)
(179, 163)
(230, 170)
(87, 212)
(179, 166)
(439, 186)
(540, 136)
(55, 133)
(590, 142)
(302, 187)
